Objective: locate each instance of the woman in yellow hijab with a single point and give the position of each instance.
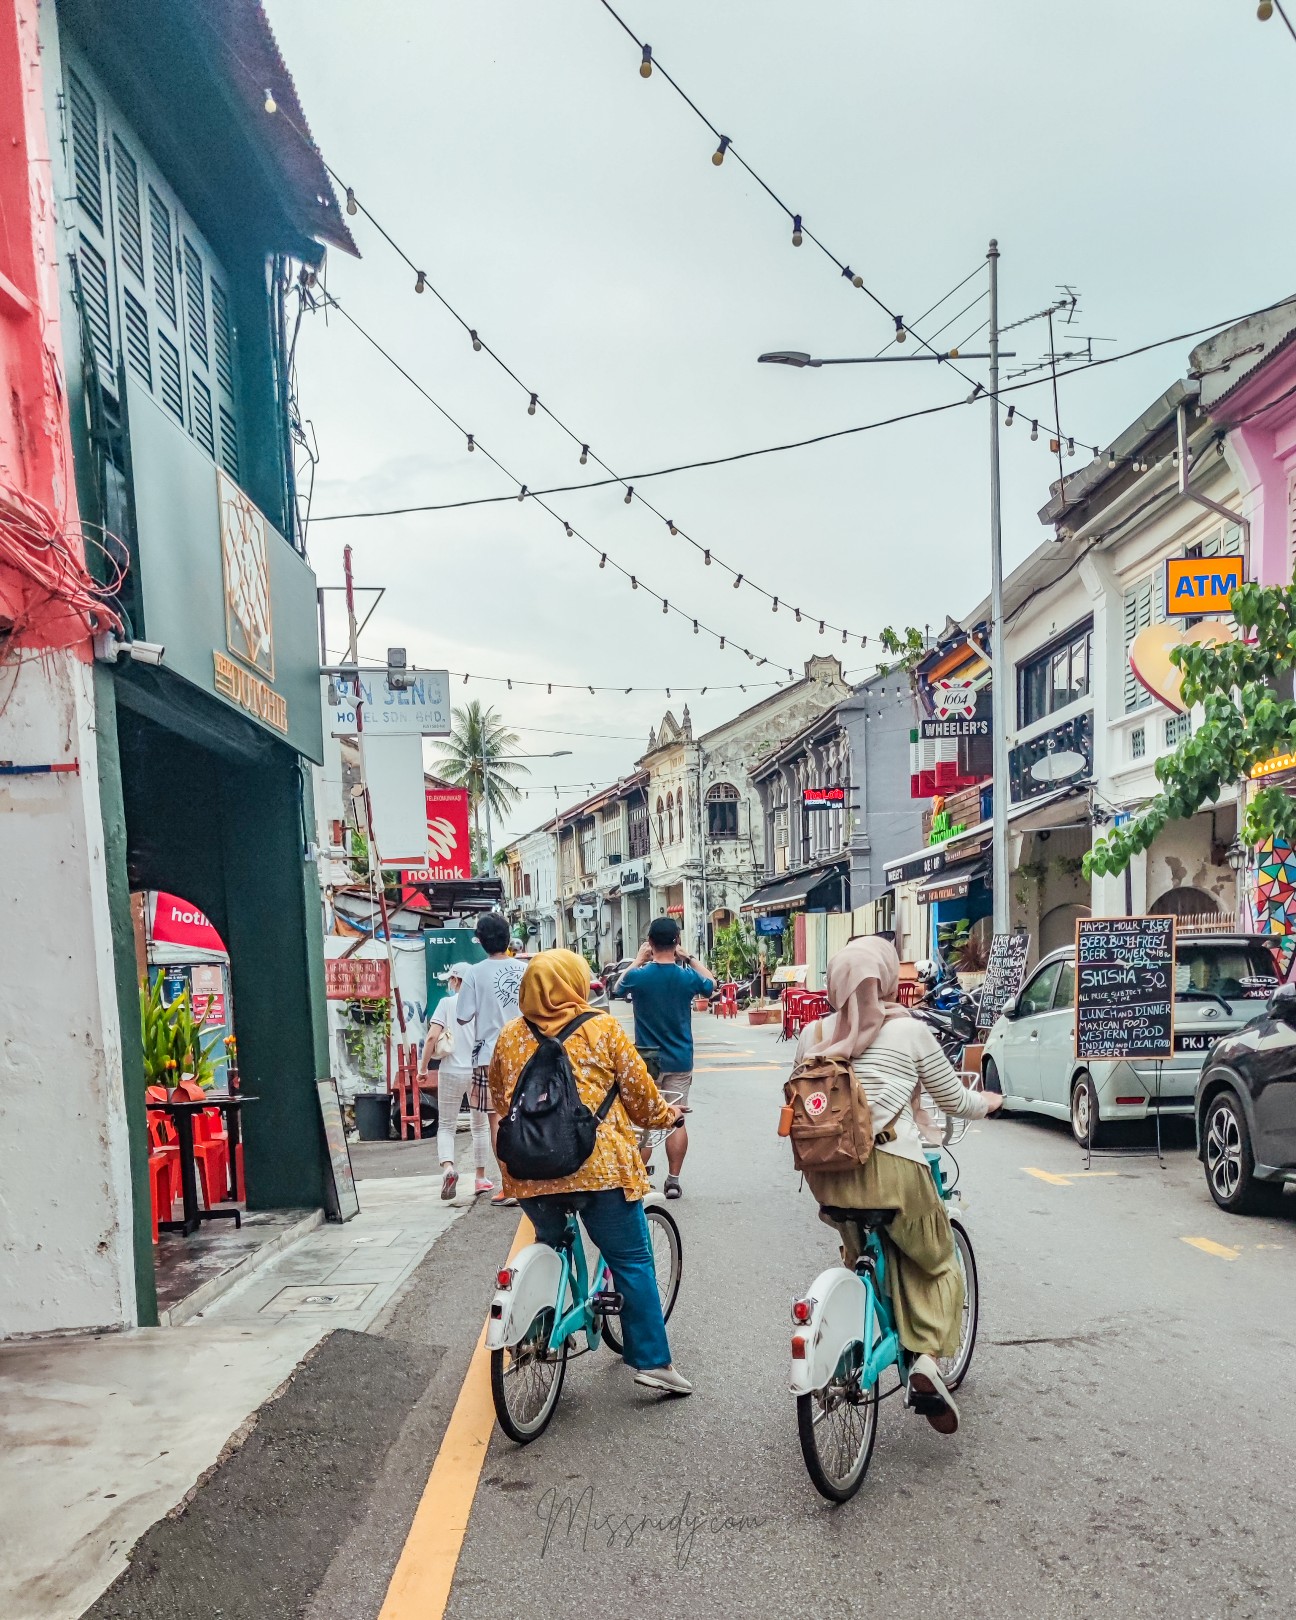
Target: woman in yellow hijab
(608, 1189)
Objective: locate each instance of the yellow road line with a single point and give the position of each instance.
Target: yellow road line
(1047, 1175)
(1207, 1246)
(420, 1586)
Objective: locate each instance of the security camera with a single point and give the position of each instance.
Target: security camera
(108, 650)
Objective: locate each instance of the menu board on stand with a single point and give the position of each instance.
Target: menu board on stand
(1125, 983)
(1005, 971)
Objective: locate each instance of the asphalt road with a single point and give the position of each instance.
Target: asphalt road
(1128, 1444)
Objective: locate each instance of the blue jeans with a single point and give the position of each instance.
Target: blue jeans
(619, 1230)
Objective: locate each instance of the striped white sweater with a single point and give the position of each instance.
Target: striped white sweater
(904, 1061)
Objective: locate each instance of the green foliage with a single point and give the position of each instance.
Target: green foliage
(907, 646)
(476, 756)
(366, 1042)
(174, 1048)
(734, 952)
(1245, 723)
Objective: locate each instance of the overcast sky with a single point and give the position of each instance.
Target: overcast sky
(570, 211)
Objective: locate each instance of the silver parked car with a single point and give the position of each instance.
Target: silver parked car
(1030, 1053)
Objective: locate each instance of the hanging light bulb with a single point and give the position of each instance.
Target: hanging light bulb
(569, 529)
(1111, 459)
(471, 444)
(1174, 457)
(695, 627)
(821, 625)
(1012, 412)
(798, 615)
(465, 680)
(603, 560)
(549, 684)
(584, 455)
(629, 493)
(531, 407)
(634, 583)
(352, 206)
(843, 638)
(645, 67)
(522, 493)
(1070, 447)
(1264, 10)
(1034, 431)
(670, 524)
(863, 641)
(271, 105)
(722, 642)
(706, 557)
(774, 609)
(900, 334)
(665, 605)
(476, 341)
(510, 686)
(420, 281)
(738, 579)
(796, 230)
(717, 157)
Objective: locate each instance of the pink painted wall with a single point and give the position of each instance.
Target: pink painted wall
(1265, 448)
(35, 445)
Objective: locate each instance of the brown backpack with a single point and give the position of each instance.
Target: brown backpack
(826, 1115)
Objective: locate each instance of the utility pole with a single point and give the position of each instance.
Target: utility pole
(375, 864)
(490, 841)
(999, 671)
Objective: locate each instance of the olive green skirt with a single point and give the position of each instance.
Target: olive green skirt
(923, 1274)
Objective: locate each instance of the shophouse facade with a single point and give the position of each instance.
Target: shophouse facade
(178, 212)
(706, 824)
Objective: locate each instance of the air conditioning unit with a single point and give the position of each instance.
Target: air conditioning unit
(614, 858)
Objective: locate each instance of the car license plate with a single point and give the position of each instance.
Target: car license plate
(1195, 1040)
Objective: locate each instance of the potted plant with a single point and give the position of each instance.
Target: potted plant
(174, 1046)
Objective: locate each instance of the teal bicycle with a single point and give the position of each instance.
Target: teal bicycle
(845, 1339)
(544, 1299)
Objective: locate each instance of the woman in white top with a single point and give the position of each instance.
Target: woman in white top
(895, 1058)
(454, 1079)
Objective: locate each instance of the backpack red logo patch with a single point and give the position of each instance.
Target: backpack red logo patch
(815, 1103)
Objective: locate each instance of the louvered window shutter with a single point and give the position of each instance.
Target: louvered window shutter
(1144, 604)
(151, 285)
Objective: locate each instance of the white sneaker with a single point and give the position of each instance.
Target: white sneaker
(664, 1379)
(928, 1396)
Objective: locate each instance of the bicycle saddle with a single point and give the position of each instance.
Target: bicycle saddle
(870, 1219)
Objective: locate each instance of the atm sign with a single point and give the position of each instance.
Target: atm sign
(1201, 584)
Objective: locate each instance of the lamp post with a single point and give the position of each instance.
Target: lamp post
(999, 663)
(558, 753)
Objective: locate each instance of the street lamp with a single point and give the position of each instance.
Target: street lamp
(558, 753)
(999, 662)
(799, 358)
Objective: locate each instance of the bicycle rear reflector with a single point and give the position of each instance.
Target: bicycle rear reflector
(801, 1309)
(504, 1279)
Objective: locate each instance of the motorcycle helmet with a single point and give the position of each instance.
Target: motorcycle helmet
(927, 971)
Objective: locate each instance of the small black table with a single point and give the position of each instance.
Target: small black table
(182, 1112)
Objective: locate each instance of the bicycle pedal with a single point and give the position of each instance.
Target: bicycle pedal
(607, 1303)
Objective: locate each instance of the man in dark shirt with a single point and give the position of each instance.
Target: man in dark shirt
(662, 984)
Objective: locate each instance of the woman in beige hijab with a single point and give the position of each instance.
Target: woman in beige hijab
(895, 1058)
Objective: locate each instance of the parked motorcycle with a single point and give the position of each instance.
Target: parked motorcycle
(947, 1009)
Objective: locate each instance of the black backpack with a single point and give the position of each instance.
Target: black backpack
(548, 1131)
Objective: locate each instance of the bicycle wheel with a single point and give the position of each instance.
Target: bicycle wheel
(668, 1263)
(837, 1426)
(954, 1368)
(526, 1381)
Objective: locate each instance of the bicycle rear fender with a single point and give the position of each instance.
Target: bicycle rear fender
(836, 1322)
(537, 1273)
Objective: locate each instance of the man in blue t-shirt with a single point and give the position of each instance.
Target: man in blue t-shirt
(662, 984)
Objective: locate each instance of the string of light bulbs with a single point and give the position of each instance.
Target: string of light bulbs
(800, 233)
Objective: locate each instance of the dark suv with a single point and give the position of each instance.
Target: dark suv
(1246, 1109)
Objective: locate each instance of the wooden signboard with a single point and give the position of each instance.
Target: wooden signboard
(1125, 987)
(352, 978)
(340, 1198)
(1005, 971)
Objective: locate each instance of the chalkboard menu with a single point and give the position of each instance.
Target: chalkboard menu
(1125, 987)
(340, 1199)
(1005, 970)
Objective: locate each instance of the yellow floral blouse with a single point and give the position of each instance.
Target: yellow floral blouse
(599, 1052)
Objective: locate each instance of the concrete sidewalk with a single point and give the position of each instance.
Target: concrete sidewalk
(101, 1437)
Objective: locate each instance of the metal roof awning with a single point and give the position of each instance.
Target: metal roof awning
(923, 863)
(954, 882)
(787, 891)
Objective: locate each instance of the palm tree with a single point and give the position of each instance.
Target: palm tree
(476, 756)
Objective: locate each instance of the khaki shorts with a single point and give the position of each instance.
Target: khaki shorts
(675, 1087)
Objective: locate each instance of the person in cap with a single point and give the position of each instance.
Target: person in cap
(454, 1082)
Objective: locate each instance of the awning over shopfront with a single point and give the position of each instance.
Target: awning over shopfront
(925, 863)
(954, 882)
(790, 891)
